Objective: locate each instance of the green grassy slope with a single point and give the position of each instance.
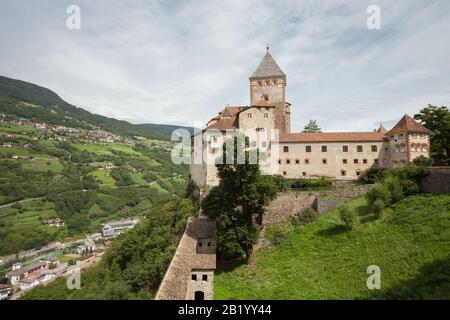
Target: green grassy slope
(324, 261)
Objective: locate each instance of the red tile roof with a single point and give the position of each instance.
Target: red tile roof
(408, 124)
(332, 137)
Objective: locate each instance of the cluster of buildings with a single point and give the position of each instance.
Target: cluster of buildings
(341, 156)
(55, 222)
(63, 133)
(32, 275)
(114, 228)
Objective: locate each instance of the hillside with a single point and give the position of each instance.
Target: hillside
(30, 101)
(83, 182)
(165, 129)
(324, 261)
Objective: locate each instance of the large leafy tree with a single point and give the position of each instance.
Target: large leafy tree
(312, 127)
(437, 120)
(238, 200)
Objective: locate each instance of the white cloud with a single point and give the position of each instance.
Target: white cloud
(176, 62)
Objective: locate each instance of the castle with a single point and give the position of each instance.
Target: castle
(342, 156)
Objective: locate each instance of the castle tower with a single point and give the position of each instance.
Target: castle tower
(268, 88)
(408, 140)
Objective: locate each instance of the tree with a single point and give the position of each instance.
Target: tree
(437, 120)
(240, 197)
(347, 216)
(312, 127)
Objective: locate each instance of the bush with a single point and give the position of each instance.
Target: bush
(347, 216)
(278, 233)
(321, 182)
(372, 175)
(395, 188)
(378, 192)
(306, 216)
(423, 161)
(281, 183)
(378, 208)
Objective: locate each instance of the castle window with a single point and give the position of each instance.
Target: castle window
(215, 139)
(304, 174)
(358, 173)
(359, 148)
(308, 148)
(345, 148)
(200, 244)
(284, 173)
(375, 161)
(422, 136)
(249, 116)
(288, 161)
(209, 244)
(266, 116)
(365, 161)
(306, 161)
(355, 161)
(265, 97)
(414, 135)
(344, 161)
(205, 277)
(324, 148)
(343, 173)
(279, 161)
(324, 161)
(253, 144)
(374, 148)
(297, 161)
(285, 149)
(194, 277)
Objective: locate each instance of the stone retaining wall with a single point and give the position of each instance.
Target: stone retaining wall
(289, 203)
(438, 181)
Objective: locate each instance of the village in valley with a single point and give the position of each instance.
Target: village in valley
(41, 266)
(41, 149)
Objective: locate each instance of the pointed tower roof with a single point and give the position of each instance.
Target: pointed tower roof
(408, 124)
(268, 68)
(382, 129)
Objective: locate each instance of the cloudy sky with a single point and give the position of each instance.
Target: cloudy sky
(176, 62)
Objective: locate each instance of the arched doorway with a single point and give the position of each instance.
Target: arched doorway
(199, 295)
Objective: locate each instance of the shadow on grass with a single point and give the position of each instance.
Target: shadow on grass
(432, 283)
(332, 231)
(365, 214)
(228, 266)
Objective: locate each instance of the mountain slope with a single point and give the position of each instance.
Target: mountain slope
(30, 101)
(165, 129)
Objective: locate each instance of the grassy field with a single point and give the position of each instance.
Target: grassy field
(325, 261)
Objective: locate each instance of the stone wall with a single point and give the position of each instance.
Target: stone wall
(438, 181)
(289, 203)
(286, 205)
(322, 204)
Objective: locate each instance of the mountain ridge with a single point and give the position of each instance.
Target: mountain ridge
(16, 97)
